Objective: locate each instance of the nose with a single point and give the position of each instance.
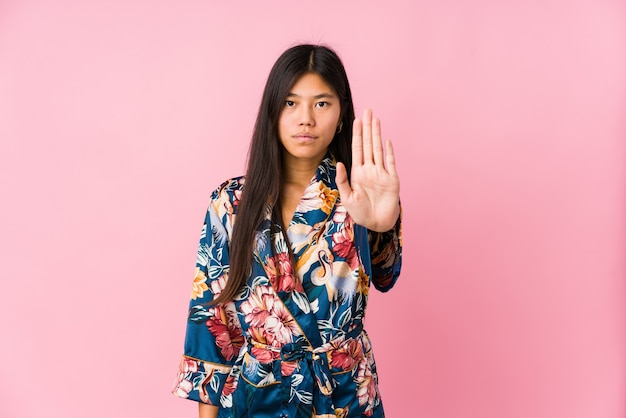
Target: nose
(306, 116)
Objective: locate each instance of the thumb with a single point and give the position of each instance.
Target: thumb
(342, 181)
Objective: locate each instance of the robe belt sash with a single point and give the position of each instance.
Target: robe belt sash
(315, 358)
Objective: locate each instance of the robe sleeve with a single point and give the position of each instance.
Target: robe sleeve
(213, 337)
(386, 255)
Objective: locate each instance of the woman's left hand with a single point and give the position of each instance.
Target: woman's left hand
(373, 198)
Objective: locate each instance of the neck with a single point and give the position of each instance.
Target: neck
(299, 171)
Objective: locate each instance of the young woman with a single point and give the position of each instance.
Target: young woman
(287, 254)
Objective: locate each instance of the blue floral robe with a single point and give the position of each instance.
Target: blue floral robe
(292, 343)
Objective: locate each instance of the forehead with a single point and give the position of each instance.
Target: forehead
(310, 84)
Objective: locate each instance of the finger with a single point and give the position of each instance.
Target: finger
(367, 136)
(357, 143)
(377, 143)
(341, 179)
(390, 159)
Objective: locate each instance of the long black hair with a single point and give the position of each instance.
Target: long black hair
(264, 173)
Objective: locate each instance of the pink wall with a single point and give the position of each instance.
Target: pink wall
(118, 118)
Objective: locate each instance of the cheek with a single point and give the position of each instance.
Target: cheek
(282, 126)
(331, 124)
(336, 117)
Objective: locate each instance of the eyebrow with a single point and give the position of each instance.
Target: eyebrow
(319, 96)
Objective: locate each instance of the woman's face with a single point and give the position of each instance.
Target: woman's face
(308, 121)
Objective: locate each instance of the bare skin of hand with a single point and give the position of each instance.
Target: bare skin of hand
(373, 194)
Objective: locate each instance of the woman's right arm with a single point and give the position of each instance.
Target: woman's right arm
(207, 411)
(206, 364)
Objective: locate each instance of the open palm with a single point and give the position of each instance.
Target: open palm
(372, 196)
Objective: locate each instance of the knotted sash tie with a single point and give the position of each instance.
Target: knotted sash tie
(317, 361)
(317, 358)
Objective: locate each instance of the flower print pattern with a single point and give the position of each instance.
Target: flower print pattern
(218, 285)
(287, 368)
(224, 327)
(295, 328)
(347, 356)
(309, 201)
(237, 197)
(341, 216)
(318, 196)
(194, 376)
(367, 380)
(327, 196)
(261, 349)
(342, 412)
(199, 285)
(281, 274)
(265, 311)
(386, 256)
(363, 282)
(367, 392)
(229, 386)
(343, 246)
(183, 385)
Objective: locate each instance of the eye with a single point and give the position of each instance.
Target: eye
(290, 103)
(322, 104)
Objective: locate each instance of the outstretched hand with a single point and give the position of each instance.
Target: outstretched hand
(372, 200)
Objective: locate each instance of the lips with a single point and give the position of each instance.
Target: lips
(304, 136)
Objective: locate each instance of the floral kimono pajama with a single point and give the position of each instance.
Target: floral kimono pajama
(292, 343)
